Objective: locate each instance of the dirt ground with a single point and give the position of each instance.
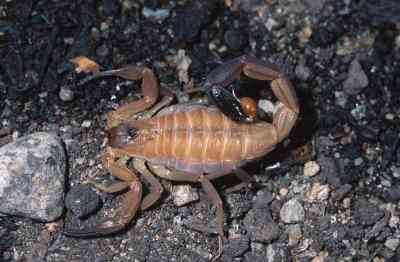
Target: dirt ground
(343, 59)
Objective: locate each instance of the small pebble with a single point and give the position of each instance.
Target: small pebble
(318, 193)
(346, 202)
(358, 161)
(396, 172)
(66, 94)
(359, 112)
(341, 98)
(271, 23)
(311, 168)
(292, 212)
(356, 80)
(392, 243)
(184, 194)
(305, 34)
(397, 42)
(86, 123)
(389, 116)
(303, 72)
(394, 221)
(295, 234)
(266, 105)
(182, 63)
(283, 191)
(156, 14)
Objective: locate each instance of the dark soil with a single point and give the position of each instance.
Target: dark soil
(343, 58)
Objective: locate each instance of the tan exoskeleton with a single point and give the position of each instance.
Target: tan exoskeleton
(187, 142)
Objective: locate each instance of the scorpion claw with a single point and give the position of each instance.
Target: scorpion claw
(227, 103)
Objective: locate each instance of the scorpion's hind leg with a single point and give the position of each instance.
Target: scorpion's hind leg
(156, 188)
(128, 208)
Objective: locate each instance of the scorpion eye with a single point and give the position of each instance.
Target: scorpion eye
(131, 131)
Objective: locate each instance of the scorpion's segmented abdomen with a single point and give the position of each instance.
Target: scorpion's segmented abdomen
(201, 140)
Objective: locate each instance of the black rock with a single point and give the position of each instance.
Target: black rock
(235, 248)
(392, 194)
(235, 40)
(190, 20)
(260, 225)
(329, 171)
(82, 201)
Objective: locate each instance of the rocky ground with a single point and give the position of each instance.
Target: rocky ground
(329, 193)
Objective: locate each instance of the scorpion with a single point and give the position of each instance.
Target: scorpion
(191, 142)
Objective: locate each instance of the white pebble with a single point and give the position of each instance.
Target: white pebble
(66, 94)
(86, 123)
(311, 168)
(184, 194)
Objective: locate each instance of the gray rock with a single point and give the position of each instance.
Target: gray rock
(392, 243)
(32, 177)
(292, 212)
(356, 80)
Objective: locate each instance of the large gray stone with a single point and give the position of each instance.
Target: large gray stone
(32, 177)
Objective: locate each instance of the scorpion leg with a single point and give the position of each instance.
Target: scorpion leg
(156, 188)
(217, 202)
(150, 90)
(208, 188)
(128, 208)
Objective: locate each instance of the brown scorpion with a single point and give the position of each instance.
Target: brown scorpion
(188, 142)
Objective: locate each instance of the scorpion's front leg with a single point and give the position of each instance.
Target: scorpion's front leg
(150, 91)
(129, 206)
